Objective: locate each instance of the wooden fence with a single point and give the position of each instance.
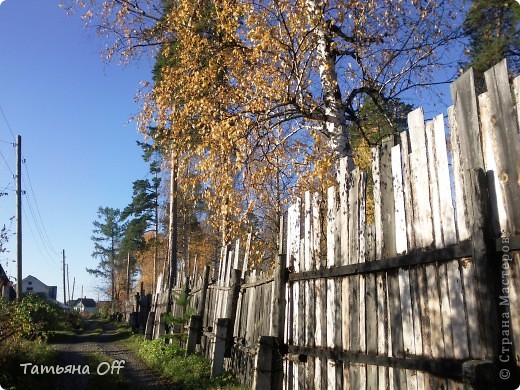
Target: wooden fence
(421, 293)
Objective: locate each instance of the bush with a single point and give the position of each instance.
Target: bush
(32, 317)
(19, 351)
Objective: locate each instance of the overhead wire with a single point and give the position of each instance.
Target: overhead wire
(7, 123)
(35, 240)
(46, 235)
(36, 216)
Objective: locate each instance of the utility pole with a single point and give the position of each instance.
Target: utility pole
(73, 284)
(156, 217)
(19, 217)
(128, 276)
(172, 277)
(64, 294)
(68, 283)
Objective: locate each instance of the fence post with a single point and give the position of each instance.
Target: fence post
(264, 364)
(278, 319)
(231, 309)
(278, 311)
(202, 303)
(217, 365)
(149, 326)
(485, 276)
(193, 333)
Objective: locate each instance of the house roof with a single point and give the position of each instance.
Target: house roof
(4, 280)
(87, 302)
(34, 278)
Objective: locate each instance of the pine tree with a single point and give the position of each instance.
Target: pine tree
(108, 234)
(492, 28)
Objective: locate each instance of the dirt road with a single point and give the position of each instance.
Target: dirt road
(99, 350)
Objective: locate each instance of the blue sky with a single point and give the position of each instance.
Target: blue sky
(72, 112)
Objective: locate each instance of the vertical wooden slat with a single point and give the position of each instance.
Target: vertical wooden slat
(407, 321)
(470, 157)
(465, 265)
(417, 287)
(293, 254)
(504, 135)
(458, 178)
(433, 185)
(371, 311)
(443, 181)
(382, 321)
(345, 180)
(354, 297)
(387, 205)
(420, 179)
(499, 214)
(331, 291)
(310, 297)
(466, 116)
(320, 335)
(516, 89)
(376, 177)
(395, 332)
(362, 278)
(407, 190)
(400, 218)
(237, 255)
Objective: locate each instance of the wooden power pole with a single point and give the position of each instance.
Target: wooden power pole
(68, 284)
(64, 292)
(19, 217)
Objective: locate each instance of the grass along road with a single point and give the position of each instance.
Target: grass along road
(100, 347)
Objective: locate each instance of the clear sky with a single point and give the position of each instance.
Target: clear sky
(80, 152)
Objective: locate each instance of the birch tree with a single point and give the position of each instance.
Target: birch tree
(237, 77)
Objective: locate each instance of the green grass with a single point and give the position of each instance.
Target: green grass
(185, 372)
(16, 352)
(109, 381)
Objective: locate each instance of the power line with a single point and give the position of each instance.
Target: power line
(7, 164)
(38, 211)
(36, 216)
(7, 122)
(36, 241)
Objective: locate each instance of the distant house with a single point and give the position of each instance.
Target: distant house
(84, 305)
(30, 284)
(6, 286)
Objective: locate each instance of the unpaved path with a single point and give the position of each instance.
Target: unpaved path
(76, 352)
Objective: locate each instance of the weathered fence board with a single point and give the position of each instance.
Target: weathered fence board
(403, 295)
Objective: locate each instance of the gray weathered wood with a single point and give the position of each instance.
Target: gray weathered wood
(264, 364)
(387, 199)
(400, 217)
(466, 116)
(194, 330)
(458, 169)
(420, 179)
(433, 185)
(376, 177)
(217, 364)
(231, 308)
(407, 190)
(331, 290)
(516, 90)
(484, 274)
(506, 144)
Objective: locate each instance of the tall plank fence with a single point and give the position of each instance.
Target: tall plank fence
(423, 294)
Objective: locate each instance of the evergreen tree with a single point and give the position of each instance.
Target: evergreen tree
(142, 213)
(492, 28)
(108, 234)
